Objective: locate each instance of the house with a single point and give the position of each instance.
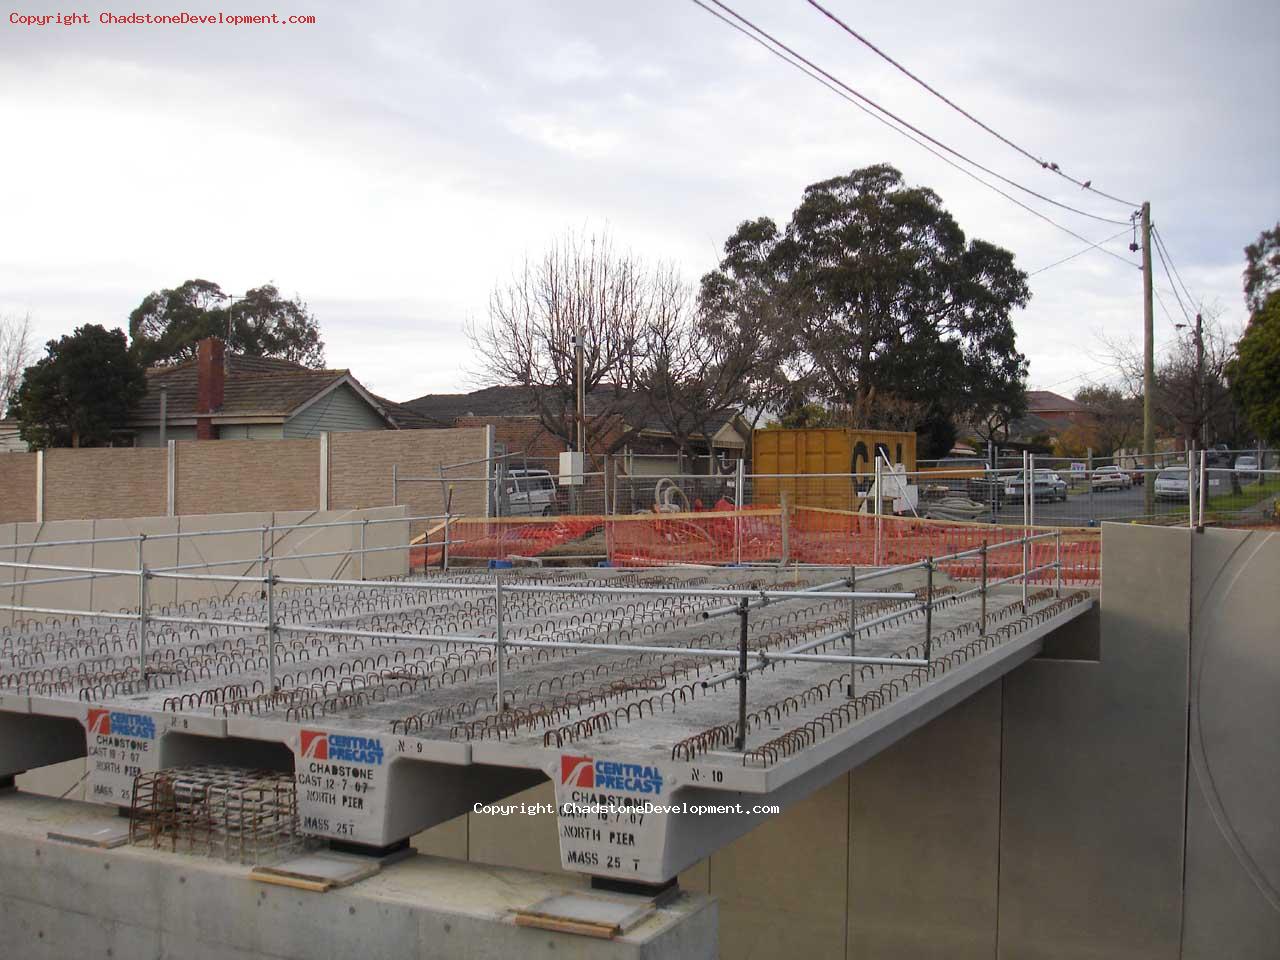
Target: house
(225, 396)
(10, 439)
(631, 431)
(1057, 411)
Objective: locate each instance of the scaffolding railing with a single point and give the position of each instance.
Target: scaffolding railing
(740, 602)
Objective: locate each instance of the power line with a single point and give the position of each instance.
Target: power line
(1044, 164)
(833, 84)
(1165, 263)
(888, 113)
(1079, 253)
(1169, 257)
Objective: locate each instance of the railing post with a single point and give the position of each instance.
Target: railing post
(1204, 483)
(395, 486)
(1191, 489)
(1026, 546)
(853, 627)
(265, 550)
(928, 608)
(1031, 489)
(876, 506)
(982, 592)
(499, 635)
(739, 497)
(740, 741)
(364, 538)
(142, 614)
(272, 626)
(1026, 483)
(1089, 480)
(1057, 563)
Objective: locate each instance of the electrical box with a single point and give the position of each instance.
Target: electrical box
(572, 466)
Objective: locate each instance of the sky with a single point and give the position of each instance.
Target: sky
(392, 162)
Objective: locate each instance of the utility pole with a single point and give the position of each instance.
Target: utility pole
(1148, 365)
(579, 340)
(1201, 407)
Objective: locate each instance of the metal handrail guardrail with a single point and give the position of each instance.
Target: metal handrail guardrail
(747, 600)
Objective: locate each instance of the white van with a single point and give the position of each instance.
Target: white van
(529, 493)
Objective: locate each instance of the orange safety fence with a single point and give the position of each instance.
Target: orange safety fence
(757, 535)
(497, 539)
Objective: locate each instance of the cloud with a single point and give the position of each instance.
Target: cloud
(395, 160)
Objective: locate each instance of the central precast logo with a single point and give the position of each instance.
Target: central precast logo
(315, 745)
(99, 722)
(578, 771)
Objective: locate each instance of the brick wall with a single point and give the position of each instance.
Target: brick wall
(17, 487)
(100, 483)
(360, 469)
(236, 476)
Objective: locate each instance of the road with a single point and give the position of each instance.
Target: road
(1077, 510)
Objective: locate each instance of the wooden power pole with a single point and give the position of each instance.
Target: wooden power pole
(1148, 365)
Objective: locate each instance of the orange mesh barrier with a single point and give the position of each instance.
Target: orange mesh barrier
(496, 539)
(755, 535)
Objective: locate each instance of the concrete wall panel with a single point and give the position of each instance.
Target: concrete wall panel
(1232, 901)
(386, 564)
(115, 593)
(7, 533)
(924, 840)
(783, 888)
(69, 595)
(1093, 775)
(527, 842)
(245, 548)
(310, 538)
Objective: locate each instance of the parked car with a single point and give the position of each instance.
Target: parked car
(1219, 455)
(1111, 478)
(529, 493)
(1045, 485)
(1246, 468)
(1171, 484)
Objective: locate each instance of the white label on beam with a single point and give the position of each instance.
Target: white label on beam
(612, 816)
(342, 785)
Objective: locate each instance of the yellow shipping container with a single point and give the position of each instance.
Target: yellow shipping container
(794, 460)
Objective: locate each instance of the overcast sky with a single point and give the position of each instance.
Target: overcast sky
(393, 161)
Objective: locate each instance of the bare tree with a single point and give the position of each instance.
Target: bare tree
(701, 367)
(580, 284)
(1191, 396)
(15, 356)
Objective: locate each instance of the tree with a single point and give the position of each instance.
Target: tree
(1262, 268)
(997, 403)
(1255, 372)
(1115, 419)
(82, 389)
(15, 354)
(700, 367)
(1191, 396)
(883, 302)
(167, 324)
(579, 284)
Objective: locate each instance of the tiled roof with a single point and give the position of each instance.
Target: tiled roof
(254, 385)
(518, 401)
(1045, 401)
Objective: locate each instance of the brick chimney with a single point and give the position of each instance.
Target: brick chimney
(211, 374)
